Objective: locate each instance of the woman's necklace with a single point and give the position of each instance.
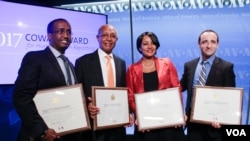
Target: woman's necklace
(148, 66)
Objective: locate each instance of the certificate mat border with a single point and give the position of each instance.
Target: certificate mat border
(204, 121)
(121, 124)
(84, 112)
(179, 109)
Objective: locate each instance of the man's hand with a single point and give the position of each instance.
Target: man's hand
(92, 109)
(216, 124)
(50, 135)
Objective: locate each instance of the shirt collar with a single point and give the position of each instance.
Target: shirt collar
(209, 60)
(102, 54)
(55, 52)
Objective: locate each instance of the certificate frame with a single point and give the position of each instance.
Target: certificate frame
(217, 104)
(159, 109)
(63, 109)
(113, 104)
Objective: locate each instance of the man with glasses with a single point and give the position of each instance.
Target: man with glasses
(91, 71)
(42, 70)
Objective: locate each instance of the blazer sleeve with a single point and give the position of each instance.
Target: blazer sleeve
(230, 76)
(168, 76)
(23, 94)
(131, 89)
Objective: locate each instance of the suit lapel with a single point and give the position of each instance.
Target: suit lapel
(54, 63)
(160, 67)
(96, 69)
(139, 73)
(117, 69)
(213, 70)
(192, 71)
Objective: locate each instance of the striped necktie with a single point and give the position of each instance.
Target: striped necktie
(202, 76)
(67, 68)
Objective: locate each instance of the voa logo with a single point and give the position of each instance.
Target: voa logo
(236, 132)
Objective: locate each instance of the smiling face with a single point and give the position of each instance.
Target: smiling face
(60, 36)
(208, 44)
(148, 48)
(107, 37)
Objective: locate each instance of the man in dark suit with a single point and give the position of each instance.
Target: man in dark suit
(91, 71)
(219, 73)
(42, 70)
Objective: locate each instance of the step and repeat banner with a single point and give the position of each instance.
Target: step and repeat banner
(178, 24)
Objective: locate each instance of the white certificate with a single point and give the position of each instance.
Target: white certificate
(159, 109)
(113, 104)
(219, 104)
(63, 109)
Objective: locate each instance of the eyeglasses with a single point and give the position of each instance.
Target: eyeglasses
(111, 36)
(62, 31)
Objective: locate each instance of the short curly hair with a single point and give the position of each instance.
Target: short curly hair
(50, 26)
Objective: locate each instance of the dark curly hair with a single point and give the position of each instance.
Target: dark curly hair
(152, 36)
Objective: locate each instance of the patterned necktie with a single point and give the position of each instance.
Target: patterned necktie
(110, 73)
(202, 76)
(67, 68)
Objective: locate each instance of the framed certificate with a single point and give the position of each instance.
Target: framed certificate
(159, 109)
(220, 104)
(113, 104)
(63, 109)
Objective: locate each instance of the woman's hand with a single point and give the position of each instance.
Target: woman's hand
(131, 120)
(143, 131)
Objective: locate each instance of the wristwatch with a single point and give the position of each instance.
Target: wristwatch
(43, 134)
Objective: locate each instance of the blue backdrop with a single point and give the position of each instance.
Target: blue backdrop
(178, 25)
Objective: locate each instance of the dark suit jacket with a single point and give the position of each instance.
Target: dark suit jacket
(39, 70)
(89, 73)
(221, 74)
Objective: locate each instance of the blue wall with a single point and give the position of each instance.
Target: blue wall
(178, 26)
